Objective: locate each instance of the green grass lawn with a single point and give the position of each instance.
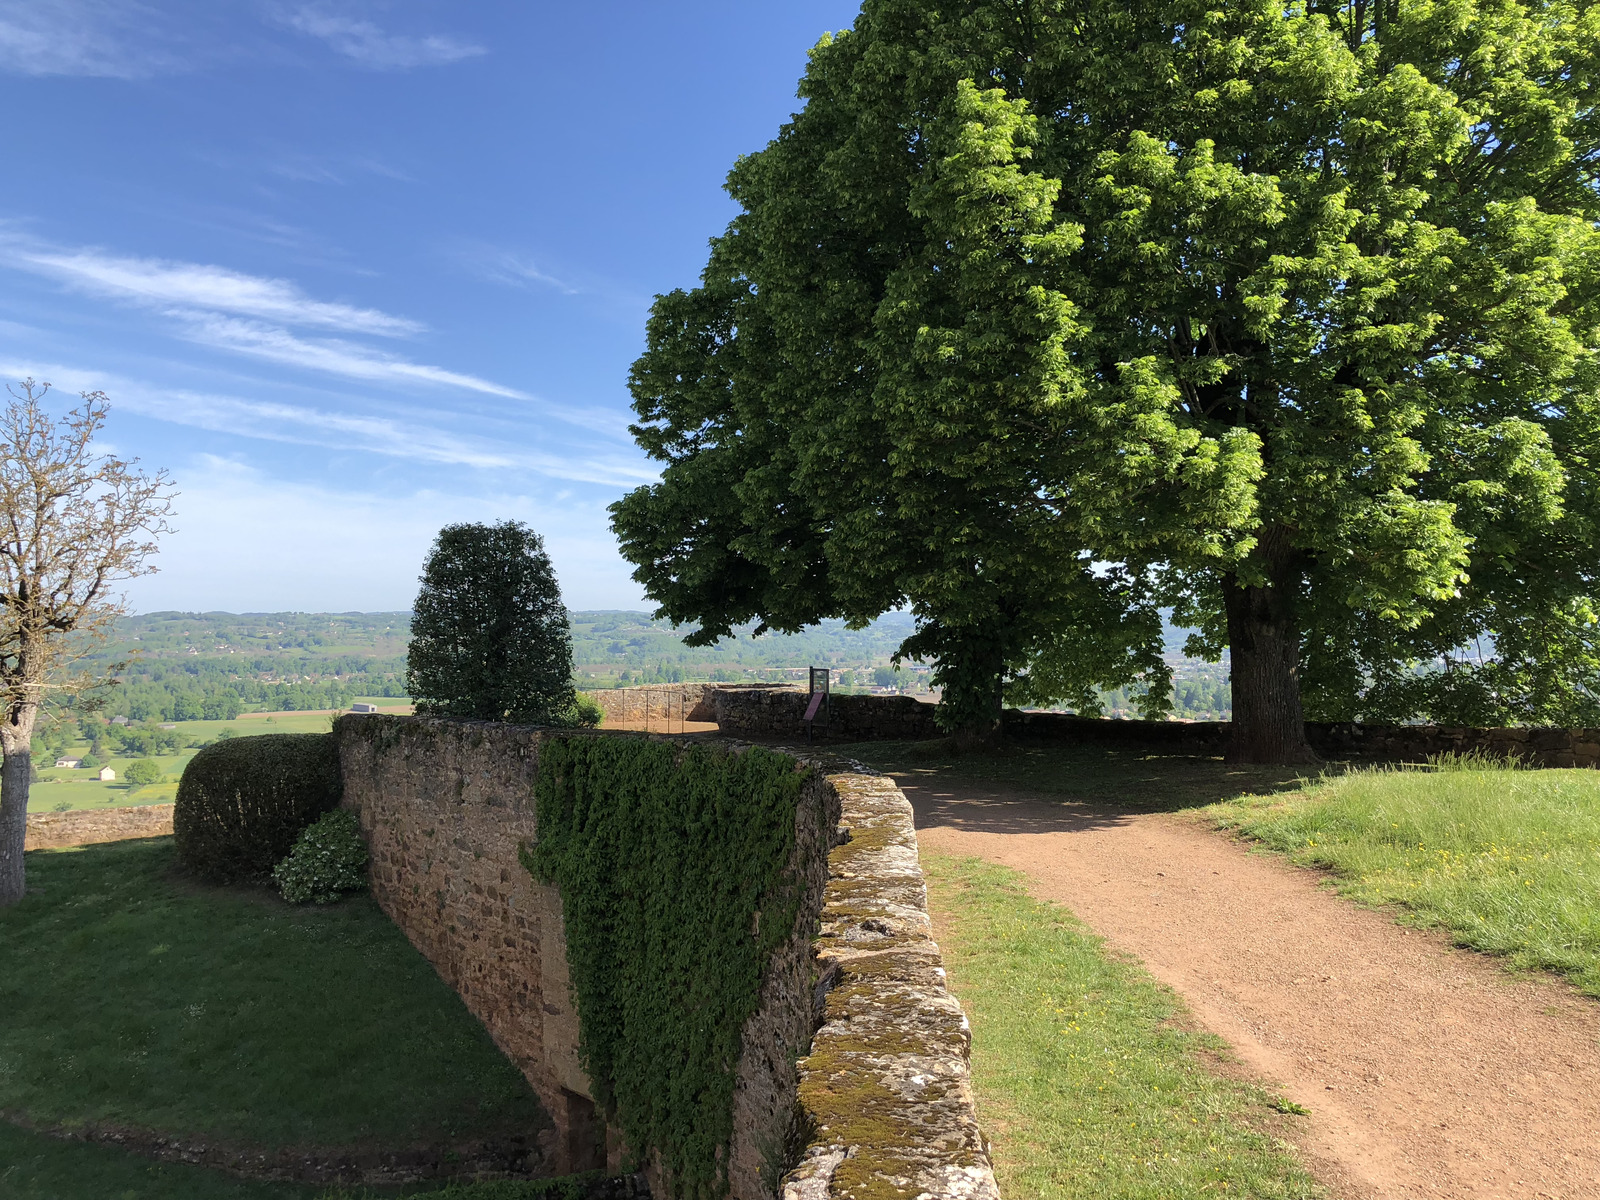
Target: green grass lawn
(1090, 1080)
(135, 998)
(1508, 861)
(62, 789)
(36, 1167)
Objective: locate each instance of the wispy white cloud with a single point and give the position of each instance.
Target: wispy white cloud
(246, 314)
(387, 436)
(414, 440)
(333, 355)
(163, 283)
(370, 46)
(514, 270)
(304, 168)
(115, 39)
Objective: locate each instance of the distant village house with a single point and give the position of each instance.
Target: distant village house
(70, 763)
(372, 708)
(107, 774)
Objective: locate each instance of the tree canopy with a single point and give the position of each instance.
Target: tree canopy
(489, 634)
(1042, 316)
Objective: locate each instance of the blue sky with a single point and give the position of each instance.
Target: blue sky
(351, 271)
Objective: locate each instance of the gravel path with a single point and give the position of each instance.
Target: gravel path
(1429, 1072)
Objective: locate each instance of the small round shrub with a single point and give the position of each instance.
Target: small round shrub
(328, 860)
(243, 802)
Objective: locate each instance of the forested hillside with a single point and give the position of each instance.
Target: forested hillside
(213, 666)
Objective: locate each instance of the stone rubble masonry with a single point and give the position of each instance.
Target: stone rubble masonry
(886, 1090)
(778, 712)
(445, 806)
(778, 1033)
(52, 831)
(655, 703)
(664, 703)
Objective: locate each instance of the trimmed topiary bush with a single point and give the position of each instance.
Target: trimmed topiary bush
(243, 802)
(489, 635)
(328, 860)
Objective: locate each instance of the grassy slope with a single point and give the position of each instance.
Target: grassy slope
(1507, 861)
(1089, 1082)
(132, 997)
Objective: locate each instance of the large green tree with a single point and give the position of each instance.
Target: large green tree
(1042, 315)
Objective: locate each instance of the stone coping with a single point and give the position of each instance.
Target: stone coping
(885, 1093)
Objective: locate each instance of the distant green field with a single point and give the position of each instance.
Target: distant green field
(61, 789)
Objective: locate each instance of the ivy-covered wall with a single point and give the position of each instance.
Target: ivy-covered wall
(691, 878)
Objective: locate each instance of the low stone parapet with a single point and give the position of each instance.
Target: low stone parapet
(886, 1090)
(663, 705)
(779, 712)
(772, 712)
(85, 826)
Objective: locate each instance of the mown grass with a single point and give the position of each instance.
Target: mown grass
(135, 998)
(36, 1167)
(1507, 860)
(1089, 1080)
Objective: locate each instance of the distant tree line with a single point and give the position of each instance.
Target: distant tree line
(186, 699)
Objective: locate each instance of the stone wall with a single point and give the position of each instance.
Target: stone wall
(445, 806)
(1334, 740)
(664, 704)
(655, 703)
(778, 1033)
(770, 712)
(52, 831)
(886, 1089)
(777, 713)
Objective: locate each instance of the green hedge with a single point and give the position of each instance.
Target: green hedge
(667, 859)
(243, 802)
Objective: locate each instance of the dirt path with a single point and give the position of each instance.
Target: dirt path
(1428, 1071)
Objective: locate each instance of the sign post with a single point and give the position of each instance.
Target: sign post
(821, 700)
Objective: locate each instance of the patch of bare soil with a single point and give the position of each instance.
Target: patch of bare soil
(1429, 1071)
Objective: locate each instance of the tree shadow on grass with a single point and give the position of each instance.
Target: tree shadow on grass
(1038, 789)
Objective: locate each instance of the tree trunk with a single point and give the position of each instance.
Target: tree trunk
(1264, 645)
(16, 741)
(974, 691)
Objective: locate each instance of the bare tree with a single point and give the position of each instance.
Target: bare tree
(73, 524)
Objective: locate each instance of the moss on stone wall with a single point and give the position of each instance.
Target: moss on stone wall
(674, 865)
